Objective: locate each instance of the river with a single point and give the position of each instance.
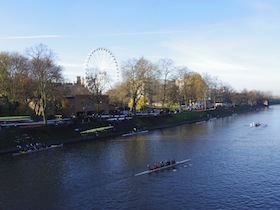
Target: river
(233, 166)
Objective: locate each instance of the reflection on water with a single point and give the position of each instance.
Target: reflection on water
(234, 166)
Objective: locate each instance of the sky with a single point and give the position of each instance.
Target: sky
(237, 41)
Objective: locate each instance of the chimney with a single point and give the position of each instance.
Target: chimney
(78, 80)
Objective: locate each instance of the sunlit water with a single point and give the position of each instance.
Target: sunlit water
(233, 166)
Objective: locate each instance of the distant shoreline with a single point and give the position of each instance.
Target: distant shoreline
(66, 134)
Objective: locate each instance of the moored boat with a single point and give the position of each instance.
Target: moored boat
(160, 166)
(135, 133)
(34, 149)
(255, 124)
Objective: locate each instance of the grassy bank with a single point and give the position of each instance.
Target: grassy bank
(162, 121)
(10, 138)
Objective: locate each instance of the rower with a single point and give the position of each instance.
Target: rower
(157, 165)
(149, 167)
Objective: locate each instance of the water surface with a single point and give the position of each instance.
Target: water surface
(233, 166)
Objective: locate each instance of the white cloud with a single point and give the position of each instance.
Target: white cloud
(72, 65)
(243, 59)
(144, 33)
(32, 37)
(263, 7)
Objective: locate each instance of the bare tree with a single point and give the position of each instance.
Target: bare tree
(138, 76)
(121, 99)
(166, 67)
(171, 93)
(213, 85)
(45, 72)
(181, 82)
(96, 84)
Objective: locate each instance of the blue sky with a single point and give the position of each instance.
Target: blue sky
(234, 40)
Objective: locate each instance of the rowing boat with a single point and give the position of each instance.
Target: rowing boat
(37, 150)
(134, 133)
(94, 130)
(163, 167)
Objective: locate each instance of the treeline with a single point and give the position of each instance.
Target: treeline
(29, 80)
(165, 85)
(34, 80)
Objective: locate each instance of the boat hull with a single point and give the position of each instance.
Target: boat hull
(38, 150)
(134, 133)
(164, 167)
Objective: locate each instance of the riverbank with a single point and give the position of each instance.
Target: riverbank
(69, 134)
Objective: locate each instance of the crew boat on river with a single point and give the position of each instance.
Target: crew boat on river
(36, 148)
(255, 124)
(137, 132)
(162, 165)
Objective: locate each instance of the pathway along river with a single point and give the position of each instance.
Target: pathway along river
(233, 166)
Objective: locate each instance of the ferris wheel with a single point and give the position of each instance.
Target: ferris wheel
(101, 69)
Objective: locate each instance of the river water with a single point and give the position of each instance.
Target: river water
(233, 166)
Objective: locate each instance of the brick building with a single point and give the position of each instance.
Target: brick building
(86, 105)
(80, 102)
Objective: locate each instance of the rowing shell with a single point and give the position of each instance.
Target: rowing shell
(37, 150)
(134, 133)
(160, 168)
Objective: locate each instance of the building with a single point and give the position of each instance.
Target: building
(86, 105)
(80, 102)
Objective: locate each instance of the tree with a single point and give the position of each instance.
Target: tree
(4, 82)
(96, 83)
(14, 73)
(139, 76)
(196, 88)
(121, 99)
(171, 93)
(227, 92)
(212, 87)
(20, 88)
(45, 72)
(166, 66)
(5, 63)
(181, 82)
